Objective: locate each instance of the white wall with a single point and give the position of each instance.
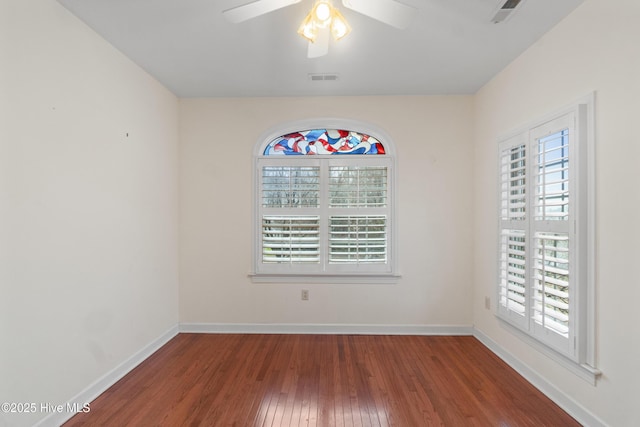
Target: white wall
(88, 215)
(595, 48)
(432, 136)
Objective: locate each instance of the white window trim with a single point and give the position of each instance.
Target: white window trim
(392, 275)
(584, 364)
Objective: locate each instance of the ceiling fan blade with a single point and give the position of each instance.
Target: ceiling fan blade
(321, 46)
(255, 8)
(388, 11)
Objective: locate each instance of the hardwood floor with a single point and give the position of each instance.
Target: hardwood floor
(322, 380)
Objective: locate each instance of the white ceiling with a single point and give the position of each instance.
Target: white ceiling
(451, 47)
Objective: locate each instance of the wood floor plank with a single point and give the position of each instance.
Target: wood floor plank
(322, 380)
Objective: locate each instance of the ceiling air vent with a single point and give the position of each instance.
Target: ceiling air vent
(505, 11)
(323, 77)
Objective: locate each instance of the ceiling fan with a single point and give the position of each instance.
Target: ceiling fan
(324, 20)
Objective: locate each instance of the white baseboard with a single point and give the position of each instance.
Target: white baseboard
(582, 415)
(107, 380)
(338, 329)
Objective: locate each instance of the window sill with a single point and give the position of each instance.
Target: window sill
(582, 370)
(373, 279)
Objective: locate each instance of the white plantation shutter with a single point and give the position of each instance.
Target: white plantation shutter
(358, 239)
(357, 186)
(359, 234)
(537, 289)
(513, 180)
(513, 273)
(358, 215)
(551, 282)
(290, 239)
(513, 292)
(288, 186)
(551, 171)
(324, 215)
(289, 216)
(554, 188)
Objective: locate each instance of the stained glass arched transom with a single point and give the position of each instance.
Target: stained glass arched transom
(324, 141)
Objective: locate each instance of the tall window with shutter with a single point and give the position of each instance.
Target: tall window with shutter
(324, 205)
(544, 285)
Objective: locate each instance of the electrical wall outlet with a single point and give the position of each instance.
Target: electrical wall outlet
(487, 303)
(304, 295)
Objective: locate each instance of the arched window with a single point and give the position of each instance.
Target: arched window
(324, 141)
(324, 205)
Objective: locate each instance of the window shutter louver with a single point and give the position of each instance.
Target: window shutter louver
(357, 239)
(356, 187)
(288, 239)
(513, 267)
(285, 186)
(513, 182)
(552, 177)
(551, 282)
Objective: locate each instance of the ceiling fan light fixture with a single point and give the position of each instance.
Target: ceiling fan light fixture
(324, 15)
(308, 28)
(339, 26)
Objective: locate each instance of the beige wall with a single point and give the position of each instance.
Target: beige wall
(432, 136)
(595, 48)
(88, 216)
